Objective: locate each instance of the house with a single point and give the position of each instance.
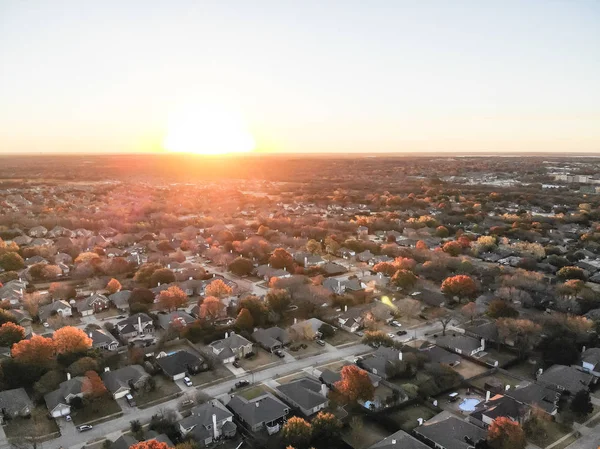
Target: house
(346, 253)
(192, 287)
(230, 348)
(566, 378)
(208, 423)
(34, 260)
(102, 339)
(461, 344)
(590, 361)
(14, 403)
(263, 412)
(177, 318)
(535, 395)
(306, 394)
(333, 269)
(431, 298)
(382, 361)
(306, 329)
(351, 320)
(38, 231)
(267, 272)
(136, 325)
(125, 441)
(121, 299)
(23, 319)
(60, 307)
(58, 401)
(181, 363)
(339, 287)
(375, 281)
(93, 304)
(496, 407)
(440, 355)
(449, 432)
(308, 260)
(398, 440)
(272, 338)
(488, 330)
(120, 382)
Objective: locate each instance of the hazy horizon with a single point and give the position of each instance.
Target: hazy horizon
(305, 78)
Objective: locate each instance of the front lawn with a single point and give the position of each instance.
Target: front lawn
(163, 390)
(218, 373)
(95, 410)
(261, 359)
(37, 426)
(551, 432)
(253, 392)
(341, 337)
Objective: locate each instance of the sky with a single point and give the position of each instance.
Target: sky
(305, 76)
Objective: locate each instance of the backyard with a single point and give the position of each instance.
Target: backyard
(468, 369)
(504, 378)
(363, 432)
(406, 418)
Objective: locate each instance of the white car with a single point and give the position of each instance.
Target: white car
(391, 335)
(396, 323)
(46, 325)
(187, 381)
(68, 418)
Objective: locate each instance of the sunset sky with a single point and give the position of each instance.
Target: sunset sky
(300, 76)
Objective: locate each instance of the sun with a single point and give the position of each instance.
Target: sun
(208, 129)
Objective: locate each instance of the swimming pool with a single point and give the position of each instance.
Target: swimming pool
(468, 404)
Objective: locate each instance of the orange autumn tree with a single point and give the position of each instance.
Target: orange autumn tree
(113, 286)
(218, 289)
(355, 384)
(504, 433)
(11, 333)
(172, 298)
(461, 285)
(71, 339)
(150, 444)
(36, 350)
(211, 308)
(93, 387)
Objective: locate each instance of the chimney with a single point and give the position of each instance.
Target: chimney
(400, 355)
(507, 388)
(305, 261)
(139, 324)
(257, 403)
(68, 376)
(295, 320)
(324, 390)
(487, 396)
(393, 441)
(169, 266)
(159, 284)
(215, 430)
(226, 334)
(420, 421)
(107, 369)
(482, 344)
(90, 334)
(345, 308)
(583, 349)
(190, 278)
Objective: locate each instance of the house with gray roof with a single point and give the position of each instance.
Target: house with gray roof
(232, 347)
(60, 307)
(102, 339)
(125, 441)
(59, 400)
(208, 423)
(272, 338)
(535, 395)
(121, 381)
(121, 299)
(499, 406)
(590, 361)
(306, 394)
(92, 304)
(450, 433)
(461, 344)
(138, 324)
(566, 378)
(398, 440)
(14, 403)
(440, 355)
(382, 361)
(181, 363)
(263, 412)
(177, 318)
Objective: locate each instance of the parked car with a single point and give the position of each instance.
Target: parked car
(187, 381)
(242, 383)
(84, 428)
(279, 353)
(130, 400)
(236, 363)
(391, 335)
(68, 417)
(396, 323)
(401, 333)
(320, 342)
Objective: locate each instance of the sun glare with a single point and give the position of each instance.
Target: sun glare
(208, 129)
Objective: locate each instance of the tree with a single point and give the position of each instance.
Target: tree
(409, 307)
(47, 383)
(469, 310)
(144, 273)
(278, 300)
(581, 405)
(211, 308)
(442, 316)
(37, 350)
(172, 298)
(355, 384)
(218, 289)
(571, 273)
(241, 266)
(523, 334)
(11, 261)
(331, 245)
(460, 285)
(442, 231)
(11, 333)
(141, 295)
(7, 317)
(281, 259)
(326, 330)
(87, 257)
(326, 429)
(82, 366)
(162, 276)
(421, 245)
(501, 309)
(404, 279)
(504, 433)
(150, 444)
(313, 247)
(386, 268)
(71, 339)
(59, 290)
(93, 387)
(378, 338)
(244, 320)
(296, 432)
(453, 248)
(257, 308)
(113, 286)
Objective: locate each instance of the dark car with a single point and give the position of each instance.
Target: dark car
(236, 363)
(279, 353)
(401, 333)
(242, 383)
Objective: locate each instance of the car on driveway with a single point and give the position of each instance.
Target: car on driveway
(396, 323)
(241, 384)
(320, 342)
(187, 381)
(130, 400)
(68, 418)
(236, 363)
(84, 428)
(279, 353)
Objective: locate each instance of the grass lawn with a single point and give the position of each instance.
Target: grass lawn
(312, 348)
(164, 388)
(110, 313)
(505, 379)
(553, 431)
(260, 359)
(36, 426)
(253, 392)
(406, 418)
(218, 373)
(469, 369)
(582, 420)
(95, 410)
(362, 433)
(524, 369)
(341, 337)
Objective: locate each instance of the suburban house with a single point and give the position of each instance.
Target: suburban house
(135, 325)
(180, 364)
(566, 378)
(177, 319)
(272, 338)
(230, 348)
(306, 329)
(533, 394)
(120, 382)
(92, 304)
(445, 431)
(342, 286)
(461, 344)
(590, 361)
(191, 287)
(124, 442)
(208, 422)
(58, 401)
(263, 412)
(23, 319)
(351, 320)
(346, 253)
(333, 269)
(430, 298)
(440, 355)
(306, 394)
(60, 307)
(488, 330)
(14, 404)
(382, 361)
(267, 272)
(397, 440)
(499, 406)
(121, 299)
(103, 339)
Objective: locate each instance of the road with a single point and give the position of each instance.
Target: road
(113, 429)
